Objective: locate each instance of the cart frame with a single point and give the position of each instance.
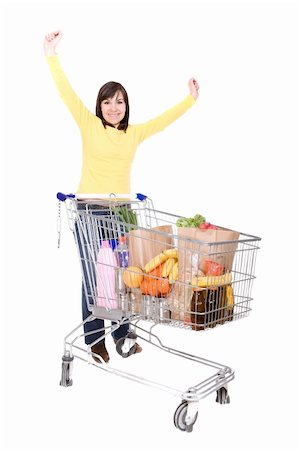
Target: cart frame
(187, 411)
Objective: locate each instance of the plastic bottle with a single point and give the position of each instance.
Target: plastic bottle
(122, 257)
(122, 252)
(105, 275)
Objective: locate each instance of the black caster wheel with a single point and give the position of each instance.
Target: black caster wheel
(180, 418)
(66, 371)
(119, 345)
(222, 396)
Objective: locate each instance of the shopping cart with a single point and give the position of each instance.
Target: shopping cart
(171, 280)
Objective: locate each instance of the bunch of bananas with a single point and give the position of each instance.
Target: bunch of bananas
(212, 280)
(168, 260)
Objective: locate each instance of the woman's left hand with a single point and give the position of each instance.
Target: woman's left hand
(194, 88)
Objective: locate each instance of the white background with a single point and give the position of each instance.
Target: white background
(233, 157)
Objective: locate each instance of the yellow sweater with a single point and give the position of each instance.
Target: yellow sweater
(108, 153)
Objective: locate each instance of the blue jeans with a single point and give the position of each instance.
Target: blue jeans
(95, 324)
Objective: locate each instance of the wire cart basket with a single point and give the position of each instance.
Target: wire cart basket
(170, 279)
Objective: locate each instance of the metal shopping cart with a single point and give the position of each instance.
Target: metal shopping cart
(171, 279)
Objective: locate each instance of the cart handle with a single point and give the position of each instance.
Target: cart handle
(62, 197)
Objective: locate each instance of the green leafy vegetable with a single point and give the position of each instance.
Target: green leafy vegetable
(191, 222)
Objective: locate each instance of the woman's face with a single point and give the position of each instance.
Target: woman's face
(114, 109)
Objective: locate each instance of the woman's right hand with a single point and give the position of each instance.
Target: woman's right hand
(51, 41)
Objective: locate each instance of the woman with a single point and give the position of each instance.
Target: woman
(109, 144)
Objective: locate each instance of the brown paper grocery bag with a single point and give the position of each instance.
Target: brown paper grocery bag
(146, 244)
(195, 243)
(193, 252)
(179, 301)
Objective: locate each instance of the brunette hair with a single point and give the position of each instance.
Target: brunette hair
(108, 90)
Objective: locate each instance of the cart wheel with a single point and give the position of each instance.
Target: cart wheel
(180, 418)
(222, 396)
(66, 370)
(119, 345)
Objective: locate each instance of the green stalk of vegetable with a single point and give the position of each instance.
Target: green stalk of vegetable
(126, 215)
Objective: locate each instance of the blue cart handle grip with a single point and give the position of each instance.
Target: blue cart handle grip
(141, 197)
(62, 197)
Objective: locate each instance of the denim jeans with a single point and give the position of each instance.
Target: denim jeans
(95, 324)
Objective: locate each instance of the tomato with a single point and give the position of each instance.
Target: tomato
(213, 268)
(207, 226)
(204, 226)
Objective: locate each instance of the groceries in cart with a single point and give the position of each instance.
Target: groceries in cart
(105, 276)
(179, 274)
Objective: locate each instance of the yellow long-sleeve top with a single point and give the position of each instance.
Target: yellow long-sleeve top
(108, 153)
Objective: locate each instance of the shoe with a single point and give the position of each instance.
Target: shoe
(138, 349)
(100, 349)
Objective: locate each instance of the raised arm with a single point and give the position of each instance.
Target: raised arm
(159, 123)
(78, 110)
